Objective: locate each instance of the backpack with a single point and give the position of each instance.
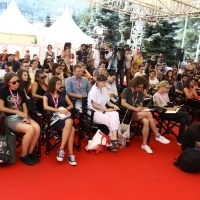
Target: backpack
(189, 160)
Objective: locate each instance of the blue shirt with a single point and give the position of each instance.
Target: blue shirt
(77, 86)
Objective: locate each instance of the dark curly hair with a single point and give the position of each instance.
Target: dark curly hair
(24, 85)
(135, 82)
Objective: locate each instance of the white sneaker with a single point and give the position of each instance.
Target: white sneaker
(60, 155)
(162, 140)
(146, 148)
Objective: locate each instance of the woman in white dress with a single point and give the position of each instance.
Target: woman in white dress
(97, 100)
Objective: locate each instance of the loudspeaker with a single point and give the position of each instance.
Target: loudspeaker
(180, 54)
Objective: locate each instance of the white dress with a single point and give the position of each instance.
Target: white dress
(100, 97)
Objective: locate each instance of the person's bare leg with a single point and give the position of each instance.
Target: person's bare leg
(145, 129)
(114, 135)
(71, 141)
(35, 137)
(66, 132)
(29, 134)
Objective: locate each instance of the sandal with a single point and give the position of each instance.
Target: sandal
(112, 149)
(115, 143)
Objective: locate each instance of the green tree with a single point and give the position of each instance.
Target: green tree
(191, 37)
(124, 27)
(160, 39)
(48, 22)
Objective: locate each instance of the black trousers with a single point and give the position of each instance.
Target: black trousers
(182, 118)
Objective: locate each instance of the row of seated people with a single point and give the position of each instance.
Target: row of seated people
(13, 102)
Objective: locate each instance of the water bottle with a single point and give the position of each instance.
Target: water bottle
(127, 141)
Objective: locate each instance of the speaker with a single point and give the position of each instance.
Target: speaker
(180, 54)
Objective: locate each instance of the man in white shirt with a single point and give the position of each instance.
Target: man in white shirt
(128, 58)
(109, 55)
(96, 57)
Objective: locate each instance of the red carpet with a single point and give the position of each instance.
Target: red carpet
(129, 174)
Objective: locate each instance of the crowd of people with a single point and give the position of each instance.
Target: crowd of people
(96, 75)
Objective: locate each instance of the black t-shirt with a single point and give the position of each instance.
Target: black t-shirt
(82, 56)
(61, 100)
(9, 102)
(190, 136)
(152, 63)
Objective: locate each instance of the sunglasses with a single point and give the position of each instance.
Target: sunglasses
(14, 82)
(63, 65)
(42, 77)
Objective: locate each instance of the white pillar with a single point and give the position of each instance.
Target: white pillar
(184, 32)
(197, 52)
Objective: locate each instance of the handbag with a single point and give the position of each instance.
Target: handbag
(7, 148)
(99, 142)
(30, 103)
(124, 132)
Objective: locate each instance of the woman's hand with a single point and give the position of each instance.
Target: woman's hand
(138, 109)
(65, 112)
(25, 121)
(115, 107)
(21, 114)
(109, 109)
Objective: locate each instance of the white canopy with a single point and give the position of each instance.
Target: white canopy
(66, 30)
(12, 21)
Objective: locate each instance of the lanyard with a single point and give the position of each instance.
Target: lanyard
(15, 99)
(134, 99)
(78, 83)
(163, 96)
(55, 101)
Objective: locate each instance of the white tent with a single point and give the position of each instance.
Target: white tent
(12, 21)
(66, 30)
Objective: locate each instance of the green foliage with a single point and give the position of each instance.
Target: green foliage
(48, 22)
(191, 37)
(35, 41)
(160, 39)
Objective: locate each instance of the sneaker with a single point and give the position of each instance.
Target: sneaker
(56, 136)
(147, 148)
(71, 159)
(162, 140)
(60, 155)
(27, 160)
(34, 157)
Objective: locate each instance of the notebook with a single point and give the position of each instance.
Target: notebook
(172, 111)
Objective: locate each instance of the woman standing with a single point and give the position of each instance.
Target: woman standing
(161, 99)
(49, 52)
(53, 100)
(39, 88)
(97, 100)
(13, 104)
(138, 59)
(67, 54)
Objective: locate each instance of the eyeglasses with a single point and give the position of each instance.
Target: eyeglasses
(26, 65)
(42, 77)
(140, 87)
(14, 82)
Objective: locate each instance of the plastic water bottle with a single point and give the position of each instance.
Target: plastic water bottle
(127, 141)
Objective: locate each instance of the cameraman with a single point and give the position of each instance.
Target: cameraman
(128, 64)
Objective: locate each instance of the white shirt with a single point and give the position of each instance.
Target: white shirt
(138, 74)
(99, 96)
(109, 56)
(128, 61)
(96, 57)
(153, 82)
(111, 88)
(2, 73)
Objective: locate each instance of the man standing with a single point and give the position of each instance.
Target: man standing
(81, 55)
(128, 64)
(77, 86)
